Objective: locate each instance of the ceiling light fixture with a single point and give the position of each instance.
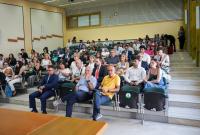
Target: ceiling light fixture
(74, 3)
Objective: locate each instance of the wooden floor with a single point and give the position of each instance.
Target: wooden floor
(27, 123)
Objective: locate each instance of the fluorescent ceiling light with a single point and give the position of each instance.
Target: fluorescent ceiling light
(49, 1)
(74, 3)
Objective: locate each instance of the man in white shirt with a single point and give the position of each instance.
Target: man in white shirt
(135, 75)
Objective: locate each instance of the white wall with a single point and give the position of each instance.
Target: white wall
(46, 23)
(136, 11)
(11, 26)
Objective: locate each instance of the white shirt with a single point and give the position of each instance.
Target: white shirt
(1, 64)
(45, 63)
(146, 58)
(135, 74)
(91, 66)
(61, 76)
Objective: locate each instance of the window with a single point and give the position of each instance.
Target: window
(86, 20)
(83, 21)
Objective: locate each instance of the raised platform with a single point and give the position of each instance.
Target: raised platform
(27, 123)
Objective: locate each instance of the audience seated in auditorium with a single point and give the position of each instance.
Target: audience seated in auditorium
(45, 90)
(109, 86)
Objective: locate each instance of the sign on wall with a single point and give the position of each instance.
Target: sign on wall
(185, 16)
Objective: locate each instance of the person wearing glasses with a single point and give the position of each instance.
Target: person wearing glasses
(113, 58)
(109, 86)
(45, 90)
(83, 91)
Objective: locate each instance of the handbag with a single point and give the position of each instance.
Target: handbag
(8, 91)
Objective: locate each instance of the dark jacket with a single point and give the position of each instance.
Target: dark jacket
(102, 72)
(50, 84)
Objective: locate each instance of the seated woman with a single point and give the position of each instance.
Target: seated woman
(46, 61)
(91, 62)
(11, 78)
(63, 73)
(123, 64)
(154, 77)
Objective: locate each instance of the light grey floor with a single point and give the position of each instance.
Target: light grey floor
(119, 126)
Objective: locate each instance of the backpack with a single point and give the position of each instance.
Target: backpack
(8, 91)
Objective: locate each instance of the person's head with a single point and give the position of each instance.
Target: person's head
(123, 58)
(50, 70)
(98, 55)
(5, 64)
(1, 56)
(76, 56)
(111, 70)
(112, 53)
(153, 63)
(142, 48)
(91, 58)
(88, 71)
(98, 61)
(79, 64)
(32, 51)
(61, 65)
(11, 56)
(46, 56)
(136, 62)
(160, 51)
(127, 46)
(120, 72)
(22, 50)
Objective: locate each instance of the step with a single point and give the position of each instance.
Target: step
(186, 75)
(185, 69)
(188, 101)
(87, 108)
(185, 72)
(185, 82)
(184, 116)
(194, 92)
(179, 64)
(185, 78)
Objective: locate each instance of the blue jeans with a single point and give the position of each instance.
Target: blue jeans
(98, 100)
(74, 97)
(42, 96)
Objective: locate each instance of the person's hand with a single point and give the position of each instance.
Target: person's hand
(40, 90)
(104, 90)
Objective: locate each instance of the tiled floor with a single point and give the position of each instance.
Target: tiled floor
(119, 126)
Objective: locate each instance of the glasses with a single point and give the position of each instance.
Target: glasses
(49, 70)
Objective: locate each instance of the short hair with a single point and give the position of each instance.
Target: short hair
(51, 66)
(142, 47)
(1, 55)
(160, 48)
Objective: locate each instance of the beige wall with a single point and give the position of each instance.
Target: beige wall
(126, 31)
(26, 13)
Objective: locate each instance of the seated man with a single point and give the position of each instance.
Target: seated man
(45, 90)
(109, 85)
(83, 91)
(135, 75)
(113, 58)
(99, 71)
